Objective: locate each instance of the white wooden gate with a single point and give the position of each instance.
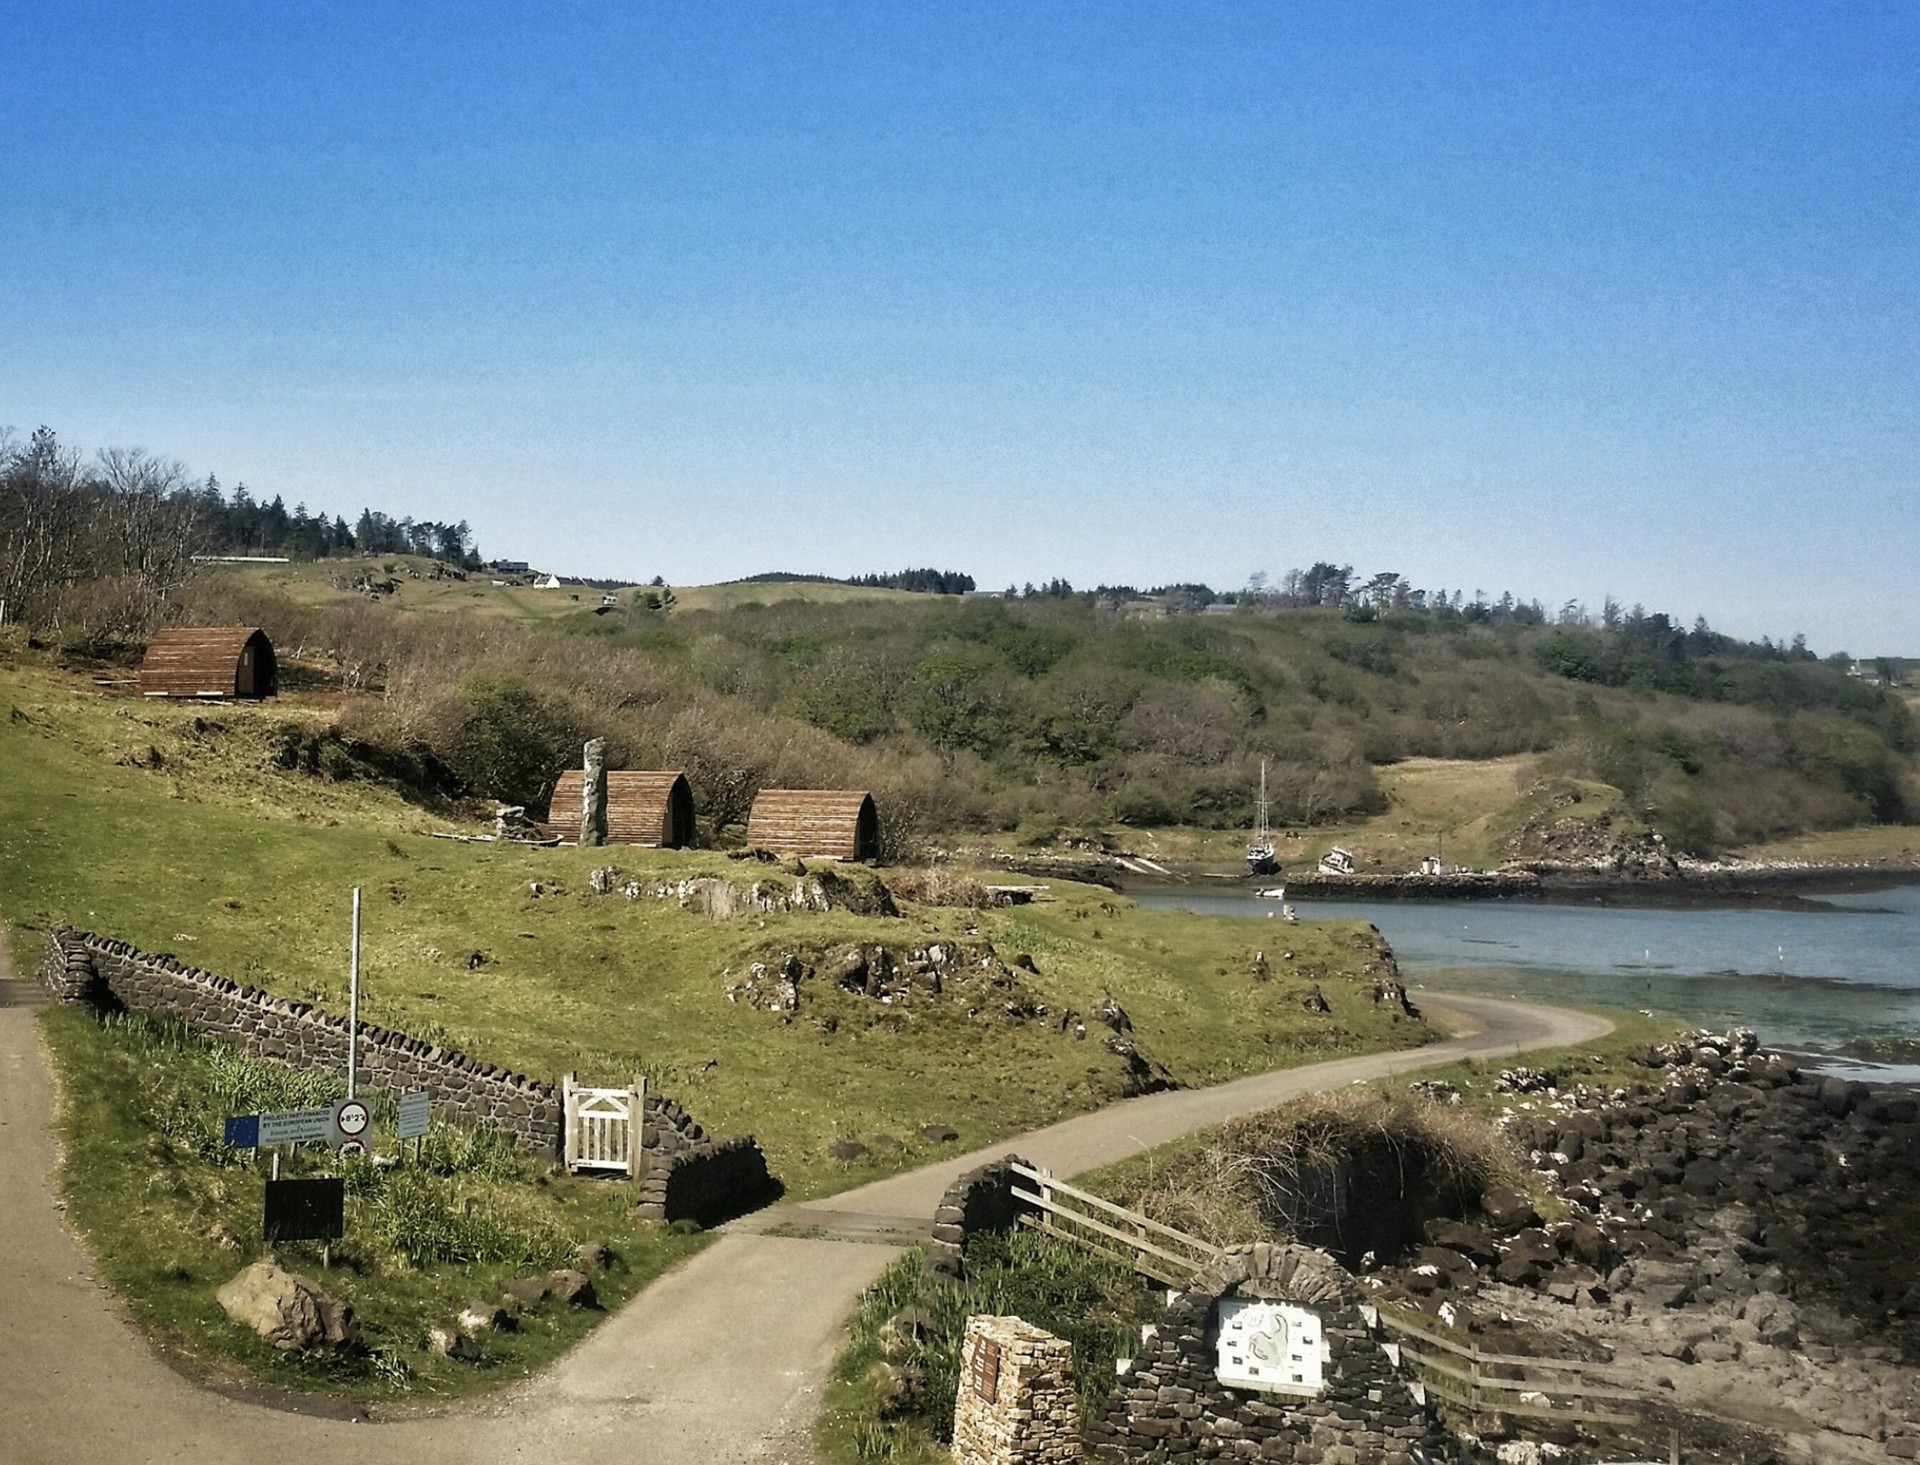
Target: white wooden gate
(603, 1127)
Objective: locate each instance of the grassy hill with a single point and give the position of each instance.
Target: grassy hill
(187, 829)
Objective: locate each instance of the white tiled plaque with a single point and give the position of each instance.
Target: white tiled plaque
(1278, 1347)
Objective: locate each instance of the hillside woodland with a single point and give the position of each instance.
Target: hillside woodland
(1047, 714)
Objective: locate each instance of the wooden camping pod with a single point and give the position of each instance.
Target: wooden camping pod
(210, 661)
(654, 810)
(840, 824)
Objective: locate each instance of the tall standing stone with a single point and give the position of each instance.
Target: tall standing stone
(593, 795)
(1017, 1403)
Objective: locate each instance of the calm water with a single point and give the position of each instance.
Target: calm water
(1845, 967)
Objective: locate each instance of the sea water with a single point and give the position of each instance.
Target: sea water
(1827, 972)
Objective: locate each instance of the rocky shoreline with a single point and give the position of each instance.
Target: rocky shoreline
(1734, 1235)
(1742, 883)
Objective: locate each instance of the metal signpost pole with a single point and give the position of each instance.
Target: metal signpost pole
(353, 1001)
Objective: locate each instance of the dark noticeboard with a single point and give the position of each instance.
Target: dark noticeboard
(306, 1210)
(986, 1369)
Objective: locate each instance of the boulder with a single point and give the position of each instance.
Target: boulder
(940, 1134)
(1509, 1210)
(573, 1288)
(593, 1256)
(527, 1291)
(452, 1343)
(845, 1149)
(287, 1310)
(483, 1317)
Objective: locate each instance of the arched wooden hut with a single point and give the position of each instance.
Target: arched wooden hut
(654, 810)
(210, 661)
(840, 824)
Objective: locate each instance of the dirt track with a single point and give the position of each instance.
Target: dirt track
(719, 1361)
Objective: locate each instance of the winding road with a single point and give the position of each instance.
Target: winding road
(721, 1360)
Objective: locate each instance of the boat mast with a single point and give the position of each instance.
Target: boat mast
(1262, 836)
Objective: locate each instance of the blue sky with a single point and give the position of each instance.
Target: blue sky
(1567, 300)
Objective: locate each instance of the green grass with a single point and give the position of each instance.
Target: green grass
(234, 864)
(891, 1393)
(311, 583)
(170, 1215)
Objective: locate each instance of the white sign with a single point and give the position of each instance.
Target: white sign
(352, 1120)
(415, 1108)
(295, 1126)
(1277, 1347)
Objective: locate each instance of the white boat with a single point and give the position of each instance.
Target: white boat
(1260, 854)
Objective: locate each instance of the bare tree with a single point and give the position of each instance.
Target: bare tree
(155, 523)
(43, 525)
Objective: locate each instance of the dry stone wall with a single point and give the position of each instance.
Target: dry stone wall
(1168, 1403)
(980, 1200)
(690, 1175)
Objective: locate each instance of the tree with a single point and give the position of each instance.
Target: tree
(43, 525)
(154, 522)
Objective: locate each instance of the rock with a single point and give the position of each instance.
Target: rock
(287, 1310)
(884, 1142)
(452, 1343)
(846, 1149)
(1493, 1427)
(593, 1256)
(527, 1291)
(1315, 1001)
(1509, 1210)
(483, 1317)
(940, 1134)
(1524, 1081)
(571, 1287)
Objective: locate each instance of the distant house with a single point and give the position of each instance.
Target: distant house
(210, 661)
(840, 824)
(1220, 608)
(652, 810)
(509, 567)
(551, 582)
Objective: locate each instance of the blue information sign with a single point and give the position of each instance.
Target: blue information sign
(243, 1132)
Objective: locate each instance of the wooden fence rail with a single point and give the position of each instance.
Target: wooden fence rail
(1112, 1231)
(1460, 1374)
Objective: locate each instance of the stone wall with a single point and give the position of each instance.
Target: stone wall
(1017, 1404)
(697, 1178)
(1168, 1404)
(708, 1183)
(980, 1200)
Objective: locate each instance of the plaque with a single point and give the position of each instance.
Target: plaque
(986, 1369)
(1274, 1347)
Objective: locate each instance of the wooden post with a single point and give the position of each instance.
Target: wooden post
(637, 1127)
(570, 1141)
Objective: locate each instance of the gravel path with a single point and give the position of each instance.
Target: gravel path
(720, 1361)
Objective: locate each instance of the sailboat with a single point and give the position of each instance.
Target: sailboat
(1260, 857)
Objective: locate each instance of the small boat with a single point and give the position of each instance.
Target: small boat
(1260, 854)
(1338, 861)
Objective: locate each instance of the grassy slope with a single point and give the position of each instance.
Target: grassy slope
(309, 584)
(241, 867)
(171, 1216)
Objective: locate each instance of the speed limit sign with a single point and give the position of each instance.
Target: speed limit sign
(352, 1122)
